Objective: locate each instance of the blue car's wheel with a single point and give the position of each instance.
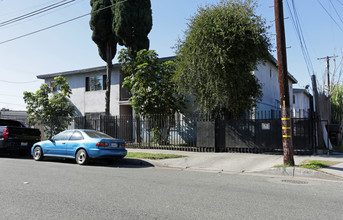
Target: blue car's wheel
(38, 153)
(81, 157)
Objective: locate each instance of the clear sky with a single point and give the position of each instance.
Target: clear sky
(69, 46)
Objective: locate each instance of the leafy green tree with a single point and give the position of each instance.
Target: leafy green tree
(50, 109)
(101, 25)
(222, 45)
(152, 89)
(337, 104)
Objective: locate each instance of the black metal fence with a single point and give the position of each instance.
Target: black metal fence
(196, 133)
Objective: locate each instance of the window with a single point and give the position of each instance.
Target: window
(64, 136)
(95, 83)
(54, 87)
(97, 134)
(76, 136)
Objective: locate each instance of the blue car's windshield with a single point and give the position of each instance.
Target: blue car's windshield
(97, 134)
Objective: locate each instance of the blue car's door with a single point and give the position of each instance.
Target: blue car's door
(59, 144)
(74, 141)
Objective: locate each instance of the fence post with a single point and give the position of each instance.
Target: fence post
(219, 135)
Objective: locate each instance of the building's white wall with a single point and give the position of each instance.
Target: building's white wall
(302, 105)
(92, 101)
(302, 101)
(268, 76)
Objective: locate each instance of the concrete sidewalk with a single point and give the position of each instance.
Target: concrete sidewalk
(244, 163)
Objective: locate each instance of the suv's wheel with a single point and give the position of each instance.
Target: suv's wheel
(81, 157)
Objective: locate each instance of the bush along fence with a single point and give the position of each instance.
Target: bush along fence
(254, 133)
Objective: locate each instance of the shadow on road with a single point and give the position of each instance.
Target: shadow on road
(122, 163)
(16, 156)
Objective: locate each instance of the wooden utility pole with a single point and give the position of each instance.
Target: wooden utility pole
(327, 69)
(287, 143)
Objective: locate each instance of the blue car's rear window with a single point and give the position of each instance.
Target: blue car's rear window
(97, 134)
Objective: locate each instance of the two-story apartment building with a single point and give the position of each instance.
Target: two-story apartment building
(88, 88)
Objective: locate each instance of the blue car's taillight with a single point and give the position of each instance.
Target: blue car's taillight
(102, 144)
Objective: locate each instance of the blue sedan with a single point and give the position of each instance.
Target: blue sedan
(80, 144)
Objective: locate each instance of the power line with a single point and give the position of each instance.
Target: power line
(19, 82)
(58, 24)
(330, 15)
(39, 16)
(7, 103)
(40, 30)
(25, 9)
(36, 12)
(336, 11)
(297, 26)
(11, 95)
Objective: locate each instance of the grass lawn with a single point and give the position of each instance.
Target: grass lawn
(312, 164)
(317, 164)
(152, 156)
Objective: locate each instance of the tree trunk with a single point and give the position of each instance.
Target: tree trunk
(108, 79)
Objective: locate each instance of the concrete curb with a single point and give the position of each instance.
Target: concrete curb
(280, 171)
(300, 172)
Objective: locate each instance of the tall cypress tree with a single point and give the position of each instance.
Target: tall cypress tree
(125, 22)
(132, 23)
(103, 36)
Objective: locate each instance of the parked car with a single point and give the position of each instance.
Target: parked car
(80, 144)
(14, 136)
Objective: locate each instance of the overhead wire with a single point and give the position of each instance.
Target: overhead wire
(5, 14)
(333, 6)
(19, 82)
(341, 21)
(39, 16)
(329, 14)
(339, 1)
(36, 12)
(58, 24)
(297, 26)
(7, 103)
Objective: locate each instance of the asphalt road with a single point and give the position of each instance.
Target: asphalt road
(59, 189)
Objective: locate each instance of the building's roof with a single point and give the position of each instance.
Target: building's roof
(298, 90)
(117, 65)
(90, 70)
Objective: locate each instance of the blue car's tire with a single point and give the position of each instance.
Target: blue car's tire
(38, 153)
(81, 157)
